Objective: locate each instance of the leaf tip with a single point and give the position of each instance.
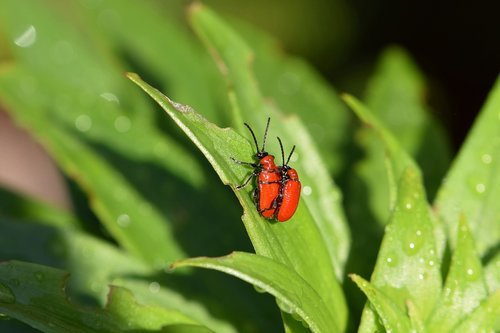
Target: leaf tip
(194, 8)
(346, 97)
(132, 76)
(354, 277)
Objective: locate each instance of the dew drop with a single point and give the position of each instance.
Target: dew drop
(307, 190)
(480, 188)
(431, 262)
(123, 220)
(411, 248)
(418, 233)
(259, 289)
(421, 276)
(83, 123)
(6, 294)
(408, 205)
(122, 124)
(284, 307)
(392, 259)
(486, 158)
(421, 260)
(110, 97)
(154, 287)
(470, 271)
(27, 38)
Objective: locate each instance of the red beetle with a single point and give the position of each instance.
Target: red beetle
(268, 175)
(289, 193)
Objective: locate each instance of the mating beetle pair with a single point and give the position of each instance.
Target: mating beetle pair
(277, 193)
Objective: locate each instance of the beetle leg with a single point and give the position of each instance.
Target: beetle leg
(253, 165)
(256, 198)
(239, 187)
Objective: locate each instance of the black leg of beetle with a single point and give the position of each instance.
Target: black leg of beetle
(239, 187)
(277, 203)
(253, 165)
(256, 198)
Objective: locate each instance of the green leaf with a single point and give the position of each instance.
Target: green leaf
(393, 317)
(71, 81)
(145, 33)
(408, 265)
(135, 224)
(492, 273)
(472, 185)
(15, 205)
(34, 294)
(283, 242)
(399, 157)
(292, 292)
(85, 99)
(396, 95)
(185, 328)
(465, 287)
(291, 325)
(483, 318)
(234, 57)
(95, 264)
(297, 88)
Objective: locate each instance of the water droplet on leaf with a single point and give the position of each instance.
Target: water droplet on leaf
(284, 307)
(83, 123)
(27, 38)
(122, 124)
(480, 188)
(110, 97)
(486, 158)
(307, 190)
(154, 287)
(123, 220)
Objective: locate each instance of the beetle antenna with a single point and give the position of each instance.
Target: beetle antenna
(265, 134)
(282, 152)
(289, 156)
(253, 135)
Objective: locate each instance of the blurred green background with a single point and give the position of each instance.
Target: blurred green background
(455, 46)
